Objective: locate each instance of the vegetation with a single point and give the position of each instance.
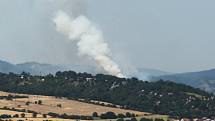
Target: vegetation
(162, 97)
(107, 115)
(159, 119)
(40, 102)
(34, 115)
(66, 116)
(23, 115)
(16, 116)
(145, 119)
(95, 114)
(5, 116)
(11, 97)
(18, 110)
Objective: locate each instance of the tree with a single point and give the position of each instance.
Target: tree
(16, 116)
(108, 115)
(27, 103)
(121, 115)
(44, 116)
(95, 114)
(59, 105)
(145, 119)
(120, 119)
(133, 119)
(40, 102)
(34, 115)
(128, 114)
(133, 115)
(23, 115)
(159, 119)
(5, 116)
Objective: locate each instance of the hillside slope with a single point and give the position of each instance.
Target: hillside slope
(152, 72)
(204, 79)
(49, 104)
(147, 73)
(154, 97)
(6, 67)
(38, 68)
(30, 67)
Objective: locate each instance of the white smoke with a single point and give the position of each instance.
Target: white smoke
(89, 39)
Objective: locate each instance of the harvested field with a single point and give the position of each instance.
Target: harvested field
(49, 104)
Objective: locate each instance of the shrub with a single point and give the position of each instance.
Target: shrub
(145, 119)
(23, 115)
(59, 105)
(40, 102)
(121, 115)
(108, 115)
(95, 114)
(44, 116)
(133, 119)
(27, 103)
(159, 119)
(16, 116)
(5, 116)
(120, 119)
(34, 115)
(128, 114)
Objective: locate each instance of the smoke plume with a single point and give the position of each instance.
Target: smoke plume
(89, 40)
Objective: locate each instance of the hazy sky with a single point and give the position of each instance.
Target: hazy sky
(171, 35)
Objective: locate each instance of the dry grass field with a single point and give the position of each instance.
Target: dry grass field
(49, 104)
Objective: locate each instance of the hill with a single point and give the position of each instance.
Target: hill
(36, 68)
(160, 97)
(204, 79)
(7, 67)
(30, 67)
(39, 68)
(149, 73)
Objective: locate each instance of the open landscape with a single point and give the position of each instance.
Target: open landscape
(107, 60)
(51, 104)
(83, 96)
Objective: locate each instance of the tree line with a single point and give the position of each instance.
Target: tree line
(161, 97)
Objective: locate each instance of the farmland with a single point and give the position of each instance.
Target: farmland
(20, 106)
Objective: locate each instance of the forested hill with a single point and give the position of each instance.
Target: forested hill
(156, 97)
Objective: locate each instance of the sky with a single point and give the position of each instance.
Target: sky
(170, 35)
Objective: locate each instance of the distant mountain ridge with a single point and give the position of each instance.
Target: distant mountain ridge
(30, 67)
(36, 68)
(7, 67)
(203, 79)
(152, 72)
